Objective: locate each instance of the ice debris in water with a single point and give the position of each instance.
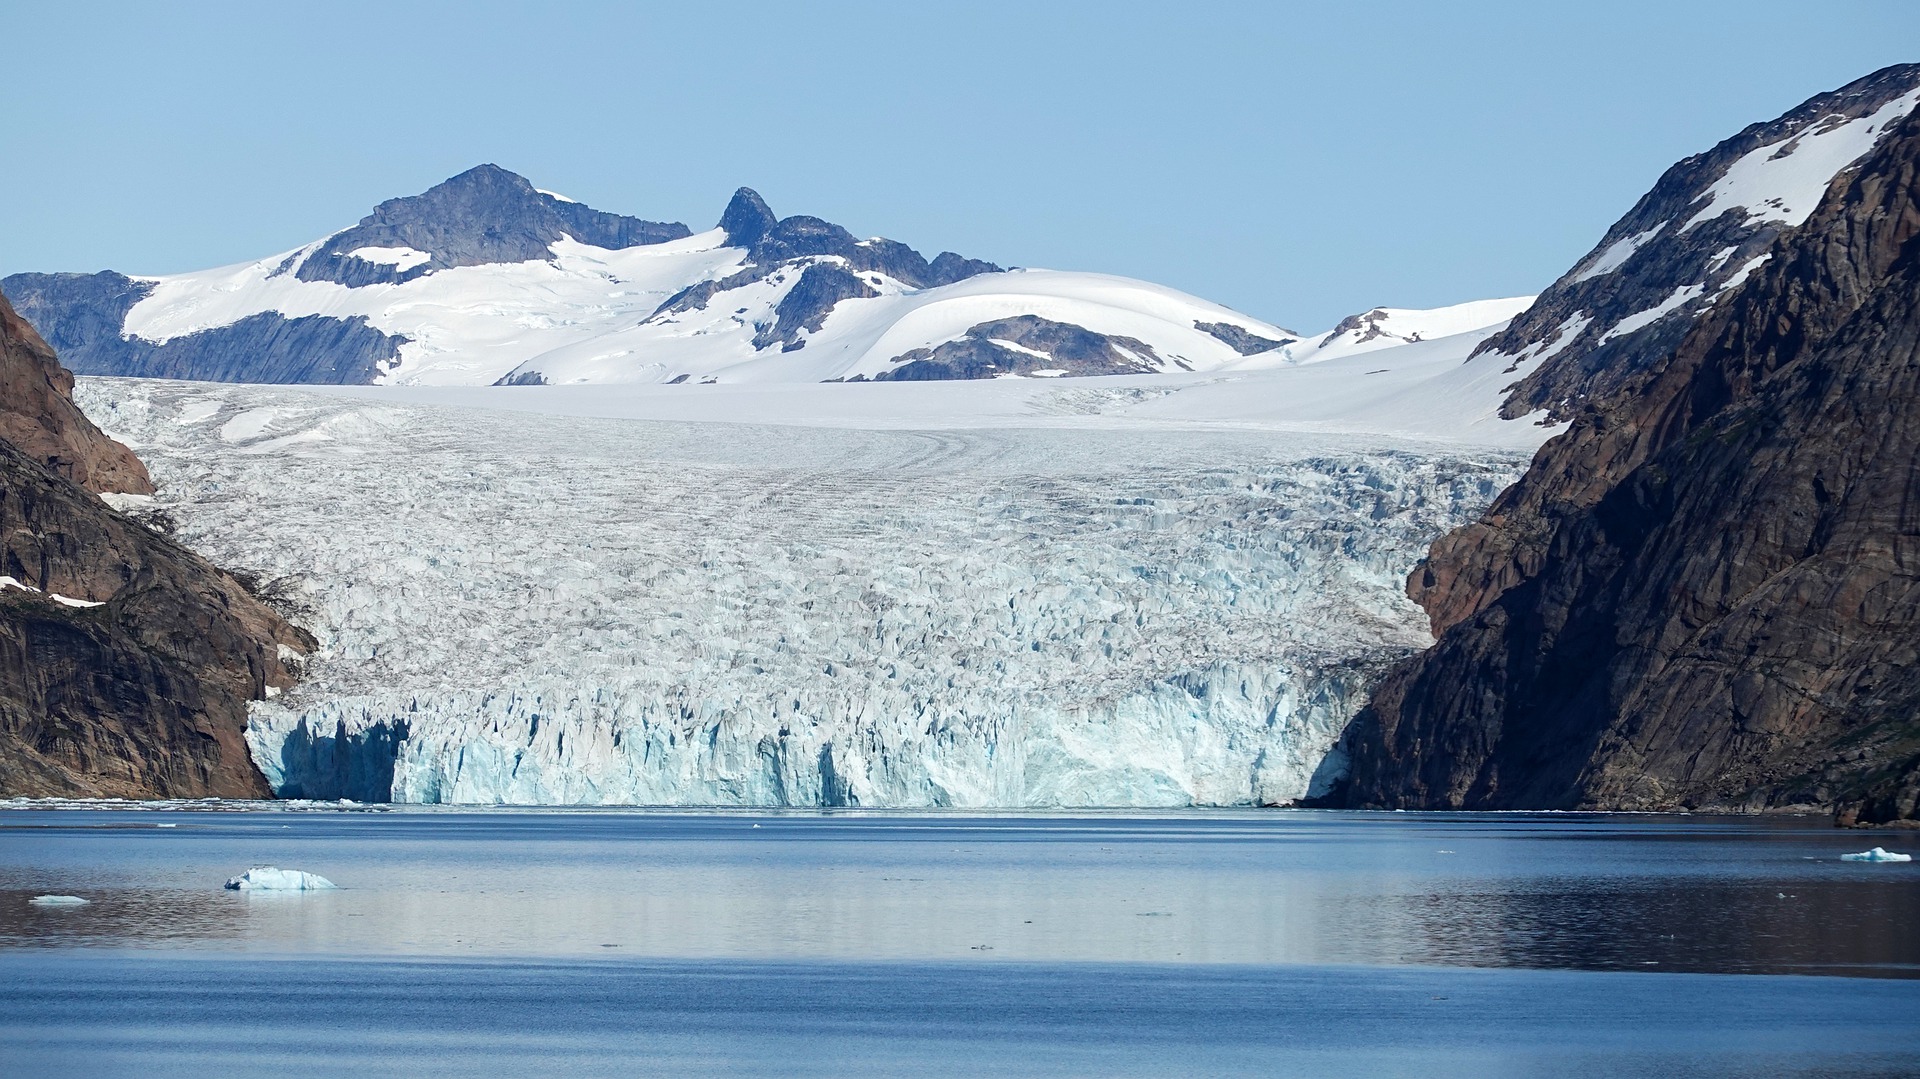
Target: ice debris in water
(265, 878)
(58, 901)
(1877, 854)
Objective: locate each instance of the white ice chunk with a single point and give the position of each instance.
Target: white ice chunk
(1877, 854)
(265, 878)
(58, 901)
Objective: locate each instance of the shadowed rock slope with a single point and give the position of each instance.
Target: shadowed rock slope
(126, 661)
(1713, 599)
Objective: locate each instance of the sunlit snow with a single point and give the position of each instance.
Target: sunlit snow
(400, 258)
(586, 315)
(1783, 181)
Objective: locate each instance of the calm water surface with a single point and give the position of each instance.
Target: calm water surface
(644, 943)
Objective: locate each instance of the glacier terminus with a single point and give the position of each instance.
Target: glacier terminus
(1155, 591)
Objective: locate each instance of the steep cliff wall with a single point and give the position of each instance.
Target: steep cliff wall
(38, 416)
(1707, 592)
(126, 661)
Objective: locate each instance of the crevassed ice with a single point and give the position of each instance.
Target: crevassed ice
(519, 608)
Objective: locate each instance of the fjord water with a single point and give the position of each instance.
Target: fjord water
(853, 943)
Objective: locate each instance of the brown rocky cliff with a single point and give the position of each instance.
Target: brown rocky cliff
(144, 694)
(1706, 593)
(38, 416)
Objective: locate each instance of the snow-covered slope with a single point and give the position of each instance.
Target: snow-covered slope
(1708, 223)
(485, 278)
(1145, 590)
(1385, 327)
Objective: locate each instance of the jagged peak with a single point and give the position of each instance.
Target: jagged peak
(484, 181)
(747, 218)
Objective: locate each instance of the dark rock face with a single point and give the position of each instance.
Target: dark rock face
(81, 315)
(1649, 256)
(985, 352)
(807, 305)
(1706, 593)
(484, 215)
(1238, 339)
(143, 694)
(747, 218)
(39, 419)
(948, 268)
(802, 237)
(828, 260)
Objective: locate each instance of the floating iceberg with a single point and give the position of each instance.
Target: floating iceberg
(58, 901)
(265, 878)
(1877, 854)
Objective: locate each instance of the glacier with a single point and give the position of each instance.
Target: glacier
(1153, 591)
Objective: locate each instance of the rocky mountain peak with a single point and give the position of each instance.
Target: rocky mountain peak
(484, 215)
(1706, 225)
(747, 218)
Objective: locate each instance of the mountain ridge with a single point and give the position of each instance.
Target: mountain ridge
(486, 279)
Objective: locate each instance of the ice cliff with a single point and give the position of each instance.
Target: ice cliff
(1051, 604)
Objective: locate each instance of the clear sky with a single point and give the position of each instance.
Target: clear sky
(1295, 161)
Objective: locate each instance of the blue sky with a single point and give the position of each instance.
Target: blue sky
(1294, 161)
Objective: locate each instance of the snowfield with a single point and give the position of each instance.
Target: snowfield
(588, 315)
(1139, 591)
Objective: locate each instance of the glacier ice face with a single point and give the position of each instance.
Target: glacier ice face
(552, 609)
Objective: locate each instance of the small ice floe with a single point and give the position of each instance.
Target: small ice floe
(58, 901)
(1877, 854)
(265, 878)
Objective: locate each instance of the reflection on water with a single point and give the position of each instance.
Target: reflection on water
(1539, 891)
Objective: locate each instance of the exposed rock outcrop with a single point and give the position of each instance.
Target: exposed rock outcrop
(82, 316)
(484, 215)
(1246, 344)
(1706, 593)
(126, 661)
(39, 419)
(807, 304)
(1025, 345)
(1693, 237)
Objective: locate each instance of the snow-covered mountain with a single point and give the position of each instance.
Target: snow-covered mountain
(1168, 587)
(485, 279)
(1710, 221)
